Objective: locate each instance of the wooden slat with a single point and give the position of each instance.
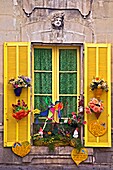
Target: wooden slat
(16, 62)
(98, 63)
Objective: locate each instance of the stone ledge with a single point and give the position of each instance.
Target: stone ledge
(62, 155)
(66, 150)
(57, 167)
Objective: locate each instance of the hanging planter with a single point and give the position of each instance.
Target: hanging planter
(20, 114)
(95, 106)
(20, 110)
(97, 114)
(18, 91)
(98, 84)
(98, 93)
(19, 83)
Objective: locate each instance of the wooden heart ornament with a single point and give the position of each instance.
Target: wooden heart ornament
(21, 149)
(97, 128)
(79, 157)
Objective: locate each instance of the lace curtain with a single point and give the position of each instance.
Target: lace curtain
(67, 78)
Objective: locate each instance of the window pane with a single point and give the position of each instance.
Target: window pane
(41, 102)
(43, 83)
(68, 83)
(68, 59)
(70, 105)
(43, 59)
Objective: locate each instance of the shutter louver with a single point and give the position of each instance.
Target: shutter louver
(98, 64)
(16, 62)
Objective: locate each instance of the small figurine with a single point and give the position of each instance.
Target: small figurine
(41, 132)
(75, 135)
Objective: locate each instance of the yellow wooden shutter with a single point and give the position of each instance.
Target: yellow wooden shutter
(16, 62)
(98, 63)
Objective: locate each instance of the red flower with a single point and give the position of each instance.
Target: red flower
(84, 122)
(69, 121)
(73, 113)
(97, 78)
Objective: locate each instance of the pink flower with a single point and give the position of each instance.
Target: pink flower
(88, 111)
(94, 101)
(92, 106)
(96, 109)
(74, 116)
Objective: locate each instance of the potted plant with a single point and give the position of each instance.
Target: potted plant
(95, 106)
(19, 83)
(76, 120)
(20, 110)
(98, 85)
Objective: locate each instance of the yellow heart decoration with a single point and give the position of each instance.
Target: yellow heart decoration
(97, 128)
(79, 157)
(21, 149)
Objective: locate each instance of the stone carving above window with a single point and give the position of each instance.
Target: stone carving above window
(83, 6)
(57, 21)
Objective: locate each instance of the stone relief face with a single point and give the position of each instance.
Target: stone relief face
(57, 21)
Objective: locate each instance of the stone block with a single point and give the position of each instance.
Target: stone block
(9, 36)
(8, 157)
(99, 27)
(7, 23)
(6, 8)
(103, 156)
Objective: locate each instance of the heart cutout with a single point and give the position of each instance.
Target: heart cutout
(79, 157)
(97, 128)
(21, 149)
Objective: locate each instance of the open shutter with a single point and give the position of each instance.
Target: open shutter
(98, 63)
(16, 62)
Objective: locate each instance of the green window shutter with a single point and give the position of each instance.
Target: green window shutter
(98, 63)
(16, 62)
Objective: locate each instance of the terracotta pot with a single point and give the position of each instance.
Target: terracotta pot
(98, 93)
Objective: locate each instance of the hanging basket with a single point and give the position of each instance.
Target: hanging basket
(97, 114)
(18, 91)
(20, 114)
(98, 93)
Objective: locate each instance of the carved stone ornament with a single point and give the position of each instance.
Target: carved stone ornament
(57, 21)
(83, 6)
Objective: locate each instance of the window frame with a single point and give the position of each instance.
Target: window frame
(55, 49)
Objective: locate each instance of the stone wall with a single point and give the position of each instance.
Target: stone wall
(16, 25)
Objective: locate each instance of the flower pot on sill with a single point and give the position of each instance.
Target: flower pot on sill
(98, 92)
(18, 91)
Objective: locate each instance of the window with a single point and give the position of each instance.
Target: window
(56, 72)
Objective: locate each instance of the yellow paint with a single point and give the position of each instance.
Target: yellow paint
(79, 157)
(97, 128)
(97, 61)
(16, 62)
(21, 149)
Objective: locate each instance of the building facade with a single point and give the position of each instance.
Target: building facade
(55, 28)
